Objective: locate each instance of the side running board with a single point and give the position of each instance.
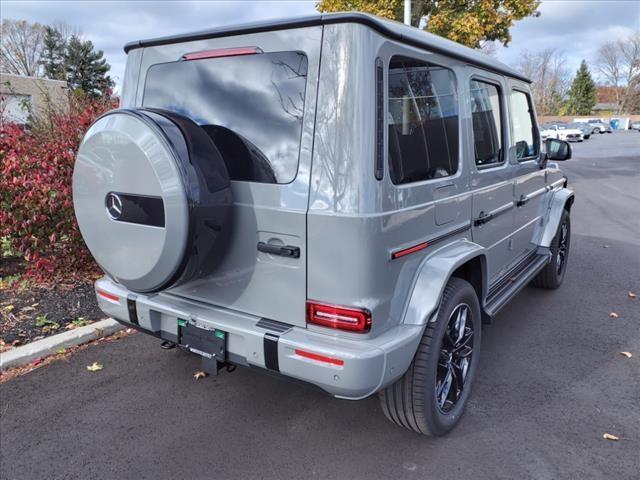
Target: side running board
(513, 281)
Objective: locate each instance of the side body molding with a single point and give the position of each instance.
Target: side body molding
(556, 206)
(433, 275)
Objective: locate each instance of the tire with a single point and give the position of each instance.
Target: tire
(412, 401)
(596, 130)
(552, 275)
(169, 226)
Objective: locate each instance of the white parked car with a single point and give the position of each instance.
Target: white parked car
(597, 125)
(561, 132)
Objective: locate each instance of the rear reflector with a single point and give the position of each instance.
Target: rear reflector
(109, 296)
(221, 52)
(407, 251)
(320, 358)
(341, 318)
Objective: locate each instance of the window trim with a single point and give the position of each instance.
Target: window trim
(534, 122)
(380, 145)
(503, 137)
(411, 55)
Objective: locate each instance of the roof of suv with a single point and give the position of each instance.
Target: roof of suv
(389, 28)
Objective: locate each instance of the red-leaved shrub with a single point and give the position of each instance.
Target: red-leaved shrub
(36, 206)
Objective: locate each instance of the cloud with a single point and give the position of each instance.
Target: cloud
(574, 26)
(111, 24)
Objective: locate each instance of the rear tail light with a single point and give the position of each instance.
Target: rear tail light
(341, 318)
(109, 296)
(221, 52)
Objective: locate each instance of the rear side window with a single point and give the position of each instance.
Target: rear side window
(525, 137)
(487, 123)
(422, 121)
(250, 105)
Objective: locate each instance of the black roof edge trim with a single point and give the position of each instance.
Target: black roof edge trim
(316, 20)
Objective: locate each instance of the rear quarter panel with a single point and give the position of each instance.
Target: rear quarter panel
(354, 221)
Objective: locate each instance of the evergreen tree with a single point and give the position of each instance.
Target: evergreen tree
(86, 68)
(582, 94)
(53, 54)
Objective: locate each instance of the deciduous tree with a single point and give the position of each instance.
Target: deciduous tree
(550, 76)
(21, 47)
(468, 22)
(618, 63)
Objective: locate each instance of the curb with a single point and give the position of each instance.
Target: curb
(48, 346)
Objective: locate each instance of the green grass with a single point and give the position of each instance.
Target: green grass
(81, 322)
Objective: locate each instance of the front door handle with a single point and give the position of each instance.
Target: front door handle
(282, 250)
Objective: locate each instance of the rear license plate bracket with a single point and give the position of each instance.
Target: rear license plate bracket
(211, 344)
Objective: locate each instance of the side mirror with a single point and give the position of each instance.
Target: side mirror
(557, 149)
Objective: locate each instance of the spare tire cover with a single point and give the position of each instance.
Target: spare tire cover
(152, 198)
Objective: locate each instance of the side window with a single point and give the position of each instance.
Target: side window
(487, 123)
(524, 133)
(422, 121)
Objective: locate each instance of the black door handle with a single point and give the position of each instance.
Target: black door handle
(282, 250)
(522, 201)
(482, 218)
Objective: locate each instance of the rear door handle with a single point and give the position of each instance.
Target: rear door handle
(282, 250)
(482, 218)
(522, 200)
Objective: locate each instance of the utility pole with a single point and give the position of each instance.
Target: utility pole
(407, 12)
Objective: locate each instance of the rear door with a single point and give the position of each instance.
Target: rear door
(255, 96)
(492, 181)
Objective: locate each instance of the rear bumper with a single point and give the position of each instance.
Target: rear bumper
(369, 364)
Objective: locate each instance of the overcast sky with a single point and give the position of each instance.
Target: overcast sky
(577, 27)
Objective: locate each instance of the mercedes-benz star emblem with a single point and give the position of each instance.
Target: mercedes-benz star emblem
(114, 205)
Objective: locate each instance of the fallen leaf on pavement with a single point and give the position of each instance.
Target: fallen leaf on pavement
(608, 436)
(614, 315)
(626, 354)
(632, 295)
(9, 308)
(61, 351)
(95, 367)
(37, 361)
(199, 374)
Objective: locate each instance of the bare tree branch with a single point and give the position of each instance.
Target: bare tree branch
(21, 47)
(550, 76)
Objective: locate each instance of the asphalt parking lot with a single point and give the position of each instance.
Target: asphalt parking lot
(551, 382)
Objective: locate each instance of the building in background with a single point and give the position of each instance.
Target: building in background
(19, 94)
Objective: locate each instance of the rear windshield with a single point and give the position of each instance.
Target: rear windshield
(250, 105)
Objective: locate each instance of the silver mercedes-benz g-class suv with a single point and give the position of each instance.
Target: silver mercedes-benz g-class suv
(340, 199)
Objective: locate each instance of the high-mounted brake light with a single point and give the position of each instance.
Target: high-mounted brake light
(341, 318)
(109, 296)
(221, 52)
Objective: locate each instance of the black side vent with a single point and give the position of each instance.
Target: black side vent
(379, 171)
